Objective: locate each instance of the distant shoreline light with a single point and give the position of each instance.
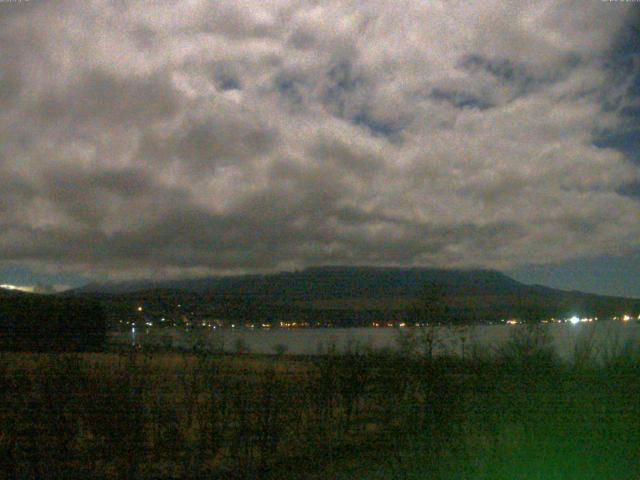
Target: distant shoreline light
(21, 288)
(35, 288)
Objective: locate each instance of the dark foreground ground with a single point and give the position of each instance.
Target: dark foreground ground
(518, 414)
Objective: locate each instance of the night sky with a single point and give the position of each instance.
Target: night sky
(175, 139)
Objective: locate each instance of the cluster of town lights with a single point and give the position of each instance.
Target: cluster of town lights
(574, 320)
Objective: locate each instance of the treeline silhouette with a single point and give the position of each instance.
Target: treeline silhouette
(40, 323)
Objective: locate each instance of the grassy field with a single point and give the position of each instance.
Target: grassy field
(519, 414)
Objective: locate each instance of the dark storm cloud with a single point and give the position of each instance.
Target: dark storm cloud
(172, 138)
(213, 138)
(107, 99)
(99, 189)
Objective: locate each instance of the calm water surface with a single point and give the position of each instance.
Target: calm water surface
(606, 337)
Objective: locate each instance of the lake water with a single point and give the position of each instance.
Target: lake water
(606, 337)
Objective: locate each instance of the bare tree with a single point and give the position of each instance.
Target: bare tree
(428, 311)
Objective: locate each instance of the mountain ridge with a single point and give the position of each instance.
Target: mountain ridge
(355, 296)
(324, 281)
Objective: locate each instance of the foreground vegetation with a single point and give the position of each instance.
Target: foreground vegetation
(516, 414)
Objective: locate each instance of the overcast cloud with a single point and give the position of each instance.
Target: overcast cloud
(192, 137)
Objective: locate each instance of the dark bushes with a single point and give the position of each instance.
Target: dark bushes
(408, 416)
(529, 349)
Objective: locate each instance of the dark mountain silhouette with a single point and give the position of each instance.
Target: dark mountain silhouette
(329, 282)
(356, 295)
